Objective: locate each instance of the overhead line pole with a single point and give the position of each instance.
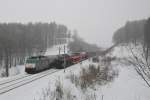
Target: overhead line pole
(64, 59)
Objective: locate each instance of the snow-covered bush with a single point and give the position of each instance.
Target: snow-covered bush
(93, 75)
(59, 92)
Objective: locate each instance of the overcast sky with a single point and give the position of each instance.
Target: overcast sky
(95, 20)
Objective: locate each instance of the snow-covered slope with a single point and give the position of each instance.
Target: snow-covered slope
(128, 86)
(54, 50)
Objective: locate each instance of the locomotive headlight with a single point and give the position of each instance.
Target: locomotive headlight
(30, 65)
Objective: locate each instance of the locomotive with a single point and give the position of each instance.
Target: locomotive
(39, 63)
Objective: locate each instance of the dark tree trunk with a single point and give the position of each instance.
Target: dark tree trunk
(7, 65)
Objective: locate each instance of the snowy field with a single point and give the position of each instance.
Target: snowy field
(127, 86)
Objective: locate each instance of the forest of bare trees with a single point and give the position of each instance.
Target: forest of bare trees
(18, 41)
(132, 31)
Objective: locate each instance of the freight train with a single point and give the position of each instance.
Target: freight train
(40, 63)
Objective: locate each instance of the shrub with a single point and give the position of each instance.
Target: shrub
(93, 74)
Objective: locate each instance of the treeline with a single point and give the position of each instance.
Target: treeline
(18, 41)
(133, 31)
(79, 45)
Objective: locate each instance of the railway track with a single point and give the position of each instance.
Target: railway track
(11, 84)
(13, 79)
(18, 81)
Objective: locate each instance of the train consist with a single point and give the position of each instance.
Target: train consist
(39, 63)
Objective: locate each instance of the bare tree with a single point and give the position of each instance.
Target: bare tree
(18, 41)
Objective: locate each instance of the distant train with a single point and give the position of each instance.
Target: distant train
(39, 63)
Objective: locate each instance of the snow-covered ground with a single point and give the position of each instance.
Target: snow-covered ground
(33, 90)
(13, 71)
(127, 86)
(54, 50)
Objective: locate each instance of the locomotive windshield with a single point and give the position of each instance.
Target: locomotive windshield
(35, 59)
(31, 61)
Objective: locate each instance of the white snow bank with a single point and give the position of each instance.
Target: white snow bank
(19, 69)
